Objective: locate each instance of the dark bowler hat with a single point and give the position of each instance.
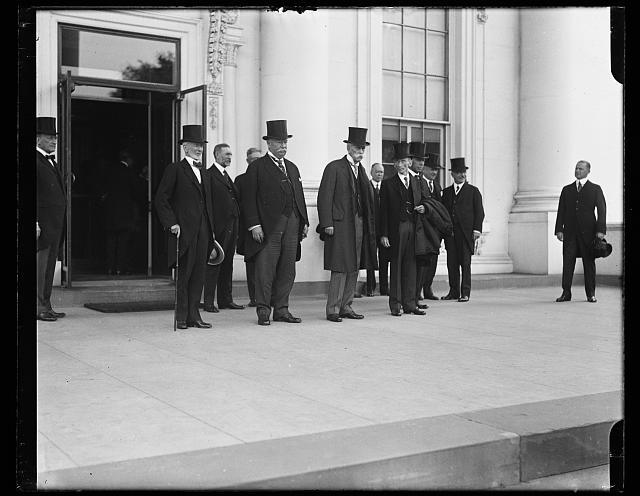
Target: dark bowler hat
(418, 149)
(46, 125)
(217, 254)
(600, 248)
(432, 161)
(457, 165)
(193, 133)
(401, 150)
(357, 136)
(277, 130)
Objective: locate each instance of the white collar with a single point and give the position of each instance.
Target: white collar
(219, 167)
(43, 152)
(274, 158)
(581, 181)
(351, 161)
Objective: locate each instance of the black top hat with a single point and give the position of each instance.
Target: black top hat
(217, 254)
(600, 248)
(457, 165)
(401, 150)
(357, 136)
(193, 133)
(432, 161)
(46, 125)
(418, 149)
(277, 130)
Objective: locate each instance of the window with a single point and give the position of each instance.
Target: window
(415, 79)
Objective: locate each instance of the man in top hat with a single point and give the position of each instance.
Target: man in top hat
(402, 199)
(184, 207)
(347, 225)
(226, 217)
(377, 174)
(434, 190)
(577, 227)
(50, 213)
(250, 265)
(275, 213)
(463, 201)
(418, 152)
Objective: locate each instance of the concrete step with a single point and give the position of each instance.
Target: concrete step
(484, 449)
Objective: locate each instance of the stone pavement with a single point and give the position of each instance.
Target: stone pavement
(124, 401)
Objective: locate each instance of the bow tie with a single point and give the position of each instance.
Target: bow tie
(51, 157)
(197, 164)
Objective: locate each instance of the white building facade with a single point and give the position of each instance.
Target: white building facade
(522, 94)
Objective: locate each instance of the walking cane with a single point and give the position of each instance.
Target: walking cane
(175, 304)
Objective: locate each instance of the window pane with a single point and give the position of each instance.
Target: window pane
(436, 98)
(413, 96)
(432, 138)
(122, 58)
(391, 91)
(391, 47)
(390, 14)
(436, 19)
(391, 132)
(413, 17)
(413, 50)
(436, 54)
(416, 134)
(103, 93)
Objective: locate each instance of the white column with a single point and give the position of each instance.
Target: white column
(229, 107)
(569, 110)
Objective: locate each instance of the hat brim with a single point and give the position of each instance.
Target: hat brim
(366, 143)
(218, 258)
(191, 141)
(277, 137)
(458, 169)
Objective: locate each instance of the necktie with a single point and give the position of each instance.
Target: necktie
(281, 166)
(226, 176)
(406, 182)
(197, 164)
(431, 186)
(51, 157)
(457, 189)
(355, 170)
(579, 186)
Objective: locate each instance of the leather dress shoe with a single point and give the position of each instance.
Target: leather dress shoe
(351, 315)
(592, 299)
(369, 293)
(252, 303)
(287, 318)
(47, 317)
(396, 313)
(449, 297)
(57, 315)
(199, 323)
(211, 308)
(416, 311)
(431, 297)
(423, 306)
(564, 297)
(334, 317)
(463, 299)
(232, 306)
(181, 324)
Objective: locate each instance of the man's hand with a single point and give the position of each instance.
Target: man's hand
(560, 236)
(258, 234)
(384, 241)
(419, 209)
(476, 235)
(329, 230)
(175, 229)
(305, 231)
(600, 235)
(37, 230)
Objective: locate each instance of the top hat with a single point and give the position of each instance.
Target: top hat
(217, 254)
(276, 130)
(193, 133)
(600, 248)
(401, 150)
(46, 125)
(457, 165)
(357, 136)
(432, 161)
(418, 149)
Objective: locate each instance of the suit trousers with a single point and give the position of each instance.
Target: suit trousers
(250, 270)
(459, 259)
(402, 290)
(46, 266)
(191, 272)
(383, 272)
(276, 267)
(429, 274)
(342, 285)
(220, 276)
(571, 249)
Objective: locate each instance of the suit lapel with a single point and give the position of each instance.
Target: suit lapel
(191, 175)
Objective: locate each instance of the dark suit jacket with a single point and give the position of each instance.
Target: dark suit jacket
(576, 212)
(392, 208)
(226, 206)
(337, 207)
(51, 202)
(263, 199)
(469, 212)
(239, 182)
(437, 190)
(180, 200)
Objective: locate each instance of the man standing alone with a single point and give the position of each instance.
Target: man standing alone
(346, 225)
(577, 227)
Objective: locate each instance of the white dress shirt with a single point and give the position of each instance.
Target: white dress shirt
(195, 170)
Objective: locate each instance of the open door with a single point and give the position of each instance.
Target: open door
(191, 108)
(66, 86)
